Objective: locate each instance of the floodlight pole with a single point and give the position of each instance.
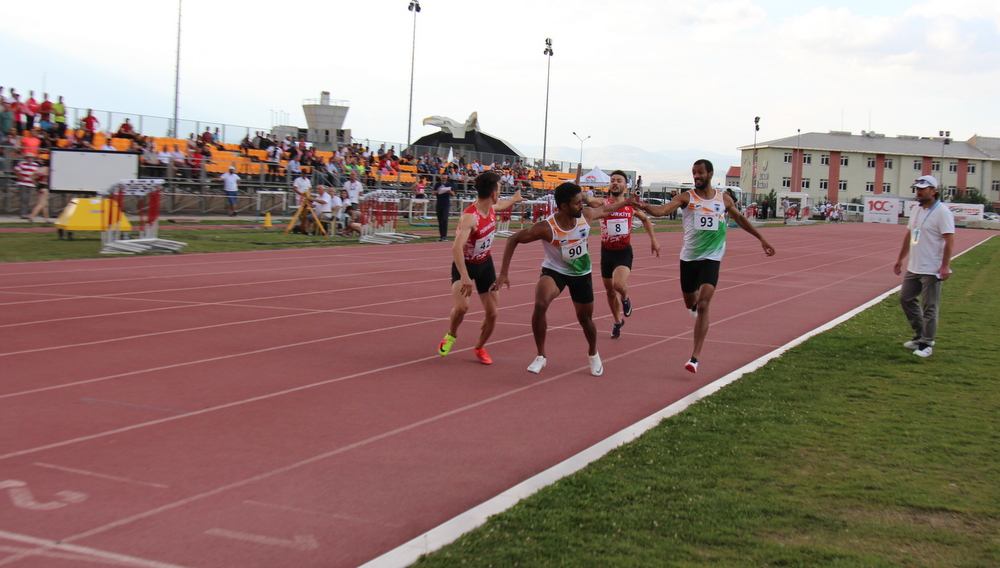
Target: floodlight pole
(548, 72)
(415, 8)
(177, 68)
(753, 178)
(582, 140)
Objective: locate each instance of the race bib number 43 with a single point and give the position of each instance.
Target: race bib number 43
(574, 251)
(706, 220)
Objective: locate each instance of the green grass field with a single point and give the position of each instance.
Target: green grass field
(846, 451)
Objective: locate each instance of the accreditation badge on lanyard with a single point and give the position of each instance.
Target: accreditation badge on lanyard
(915, 234)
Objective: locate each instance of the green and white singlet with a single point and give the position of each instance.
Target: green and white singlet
(567, 253)
(704, 222)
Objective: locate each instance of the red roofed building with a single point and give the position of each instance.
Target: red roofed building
(733, 176)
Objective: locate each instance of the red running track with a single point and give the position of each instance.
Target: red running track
(287, 408)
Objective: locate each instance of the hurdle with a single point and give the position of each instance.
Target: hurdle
(379, 212)
(148, 193)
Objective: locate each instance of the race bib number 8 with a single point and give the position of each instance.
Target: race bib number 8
(574, 251)
(706, 221)
(618, 227)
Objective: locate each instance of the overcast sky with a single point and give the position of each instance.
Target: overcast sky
(654, 74)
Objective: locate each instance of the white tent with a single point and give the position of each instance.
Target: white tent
(595, 178)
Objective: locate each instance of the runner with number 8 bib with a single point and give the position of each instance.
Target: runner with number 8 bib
(567, 264)
(616, 249)
(473, 262)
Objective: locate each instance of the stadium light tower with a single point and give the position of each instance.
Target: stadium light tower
(415, 8)
(582, 140)
(177, 68)
(545, 137)
(753, 175)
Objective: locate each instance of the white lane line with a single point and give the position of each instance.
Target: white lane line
(46, 546)
(298, 542)
(100, 475)
(322, 514)
(407, 553)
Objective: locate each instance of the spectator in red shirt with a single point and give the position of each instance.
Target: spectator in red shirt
(30, 110)
(90, 124)
(126, 131)
(45, 113)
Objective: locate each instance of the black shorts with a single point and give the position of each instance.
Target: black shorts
(483, 274)
(694, 273)
(581, 288)
(612, 259)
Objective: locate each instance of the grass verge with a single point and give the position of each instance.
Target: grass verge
(846, 451)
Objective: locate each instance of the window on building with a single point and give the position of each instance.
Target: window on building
(824, 184)
(824, 159)
(786, 182)
(871, 162)
(972, 168)
(843, 161)
(888, 163)
(935, 166)
(788, 157)
(950, 192)
(842, 185)
(918, 164)
(805, 183)
(953, 167)
(887, 188)
(995, 186)
(870, 187)
(807, 158)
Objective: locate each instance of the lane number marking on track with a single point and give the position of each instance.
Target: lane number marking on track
(22, 497)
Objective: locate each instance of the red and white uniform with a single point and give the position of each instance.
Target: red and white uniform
(26, 172)
(616, 228)
(477, 248)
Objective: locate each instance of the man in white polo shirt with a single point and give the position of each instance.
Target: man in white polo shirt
(230, 184)
(930, 238)
(354, 188)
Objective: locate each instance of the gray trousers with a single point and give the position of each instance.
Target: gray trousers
(920, 297)
(24, 192)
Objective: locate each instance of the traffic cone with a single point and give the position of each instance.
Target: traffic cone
(267, 220)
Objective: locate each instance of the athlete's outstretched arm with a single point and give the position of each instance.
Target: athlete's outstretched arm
(679, 201)
(593, 213)
(538, 231)
(504, 204)
(648, 225)
(747, 226)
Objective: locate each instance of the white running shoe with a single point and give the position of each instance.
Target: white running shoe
(915, 343)
(691, 366)
(537, 365)
(694, 312)
(924, 350)
(596, 367)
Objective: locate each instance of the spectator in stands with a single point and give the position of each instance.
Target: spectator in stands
(195, 161)
(334, 171)
(17, 110)
(246, 145)
(42, 192)
(206, 137)
(126, 131)
(107, 147)
(151, 161)
(179, 160)
(216, 139)
(59, 117)
(30, 111)
(321, 204)
(301, 187)
(354, 188)
(90, 124)
(26, 172)
(352, 220)
(45, 113)
(231, 185)
(274, 155)
(78, 140)
(293, 167)
(6, 118)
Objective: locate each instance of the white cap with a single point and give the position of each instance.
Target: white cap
(926, 181)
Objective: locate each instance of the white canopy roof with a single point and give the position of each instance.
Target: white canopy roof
(595, 177)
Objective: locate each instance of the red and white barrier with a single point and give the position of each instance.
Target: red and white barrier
(148, 193)
(379, 212)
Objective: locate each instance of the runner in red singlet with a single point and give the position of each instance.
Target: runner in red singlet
(473, 263)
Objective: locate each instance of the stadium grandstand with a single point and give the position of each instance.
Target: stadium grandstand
(267, 160)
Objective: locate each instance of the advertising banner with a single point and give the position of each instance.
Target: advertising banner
(880, 209)
(962, 211)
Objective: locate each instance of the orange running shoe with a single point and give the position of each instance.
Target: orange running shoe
(483, 356)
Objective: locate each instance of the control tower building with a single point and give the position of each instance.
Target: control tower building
(325, 121)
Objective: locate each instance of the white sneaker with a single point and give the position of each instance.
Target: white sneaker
(694, 312)
(915, 343)
(596, 367)
(537, 365)
(691, 366)
(924, 350)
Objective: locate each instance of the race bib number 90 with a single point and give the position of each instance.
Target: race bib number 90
(574, 251)
(706, 220)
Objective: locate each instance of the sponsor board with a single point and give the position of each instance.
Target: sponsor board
(880, 209)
